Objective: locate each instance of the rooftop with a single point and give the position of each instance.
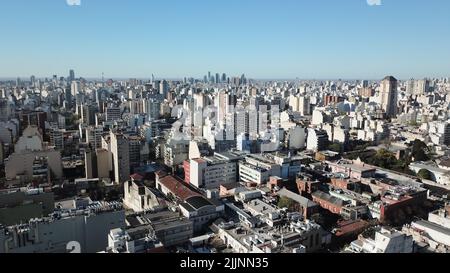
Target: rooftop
(354, 165)
(177, 187)
(165, 219)
(303, 201)
(198, 202)
(326, 197)
(433, 226)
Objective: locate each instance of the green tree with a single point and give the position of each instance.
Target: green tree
(419, 151)
(424, 174)
(383, 158)
(335, 147)
(285, 202)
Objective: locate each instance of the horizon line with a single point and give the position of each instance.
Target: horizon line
(96, 78)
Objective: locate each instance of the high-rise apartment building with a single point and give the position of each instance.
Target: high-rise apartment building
(388, 96)
(121, 157)
(71, 75)
(113, 113)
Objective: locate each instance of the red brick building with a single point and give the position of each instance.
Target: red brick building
(328, 99)
(328, 202)
(306, 186)
(275, 181)
(393, 206)
(173, 187)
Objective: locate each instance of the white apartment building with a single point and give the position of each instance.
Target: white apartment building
(385, 241)
(259, 168)
(440, 132)
(317, 140)
(253, 174)
(211, 172)
(94, 136)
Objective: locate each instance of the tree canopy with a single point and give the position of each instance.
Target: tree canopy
(424, 174)
(285, 202)
(419, 151)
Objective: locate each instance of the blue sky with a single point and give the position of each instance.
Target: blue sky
(262, 38)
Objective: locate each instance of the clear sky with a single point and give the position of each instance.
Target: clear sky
(262, 38)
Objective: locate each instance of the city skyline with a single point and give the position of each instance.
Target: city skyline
(263, 39)
(201, 78)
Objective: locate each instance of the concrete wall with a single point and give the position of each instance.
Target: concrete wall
(22, 164)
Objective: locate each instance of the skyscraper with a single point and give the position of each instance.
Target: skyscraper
(75, 88)
(164, 88)
(388, 94)
(68, 97)
(243, 80)
(33, 80)
(422, 87)
(88, 112)
(217, 78)
(225, 103)
(365, 83)
(121, 157)
(71, 75)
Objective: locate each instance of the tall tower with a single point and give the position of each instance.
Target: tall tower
(388, 94)
(217, 78)
(71, 75)
(121, 157)
(75, 88)
(164, 88)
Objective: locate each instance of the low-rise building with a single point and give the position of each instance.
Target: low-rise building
(328, 202)
(85, 229)
(140, 198)
(173, 187)
(201, 211)
(269, 214)
(353, 169)
(170, 228)
(434, 233)
(294, 237)
(302, 204)
(385, 241)
(133, 240)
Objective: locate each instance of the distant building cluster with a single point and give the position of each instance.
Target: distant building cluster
(224, 165)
